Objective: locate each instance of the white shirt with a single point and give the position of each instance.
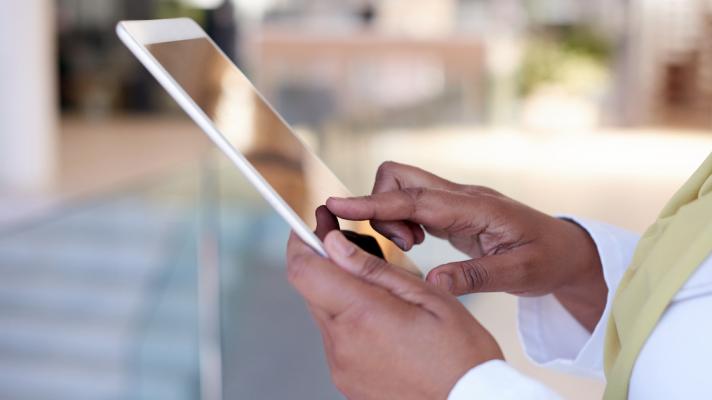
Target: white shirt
(674, 363)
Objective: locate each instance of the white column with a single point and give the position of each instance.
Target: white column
(28, 101)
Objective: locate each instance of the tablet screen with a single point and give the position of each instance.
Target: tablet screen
(255, 130)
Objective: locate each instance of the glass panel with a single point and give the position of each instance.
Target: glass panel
(98, 299)
(271, 347)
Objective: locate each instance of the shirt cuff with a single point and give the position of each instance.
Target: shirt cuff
(550, 335)
(498, 380)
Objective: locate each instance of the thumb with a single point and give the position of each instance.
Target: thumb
(374, 270)
(486, 274)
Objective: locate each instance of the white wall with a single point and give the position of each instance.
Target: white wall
(28, 101)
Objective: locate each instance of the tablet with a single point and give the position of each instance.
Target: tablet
(227, 107)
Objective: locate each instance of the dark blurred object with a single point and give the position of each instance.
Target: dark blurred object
(221, 25)
(97, 74)
(686, 87)
(367, 14)
(365, 242)
(680, 81)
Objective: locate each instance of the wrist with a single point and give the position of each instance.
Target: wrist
(457, 378)
(584, 293)
(480, 349)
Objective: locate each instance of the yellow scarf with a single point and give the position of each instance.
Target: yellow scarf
(667, 255)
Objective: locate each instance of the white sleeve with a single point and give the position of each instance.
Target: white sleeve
(498, 380)
(551, 336)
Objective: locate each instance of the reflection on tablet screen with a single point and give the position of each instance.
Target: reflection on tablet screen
(256, 131)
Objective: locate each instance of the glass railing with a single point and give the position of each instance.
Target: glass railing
(173, 289)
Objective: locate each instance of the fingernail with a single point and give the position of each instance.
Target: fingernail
(399, 242)
(343, 246)
(445, 281)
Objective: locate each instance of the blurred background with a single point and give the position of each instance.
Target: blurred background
(135, 263)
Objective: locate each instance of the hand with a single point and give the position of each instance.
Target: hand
(387, 335)
(513, 248)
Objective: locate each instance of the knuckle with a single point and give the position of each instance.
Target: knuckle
(483, 190)
(414, 197)
(475, 276)
(415, 193)
(373, 267)
(386, 167)
(385, 174)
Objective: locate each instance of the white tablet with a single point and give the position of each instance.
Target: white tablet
(220, 99)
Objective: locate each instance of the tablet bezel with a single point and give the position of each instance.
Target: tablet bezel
(136, 35)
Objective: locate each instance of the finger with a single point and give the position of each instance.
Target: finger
(394, 176)
(418, 232)
(325, 222)
(391, 212)
(376, 271)
(398, 232)
(487, 274)
(404, 234)
(323, 285)
(434, 209)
